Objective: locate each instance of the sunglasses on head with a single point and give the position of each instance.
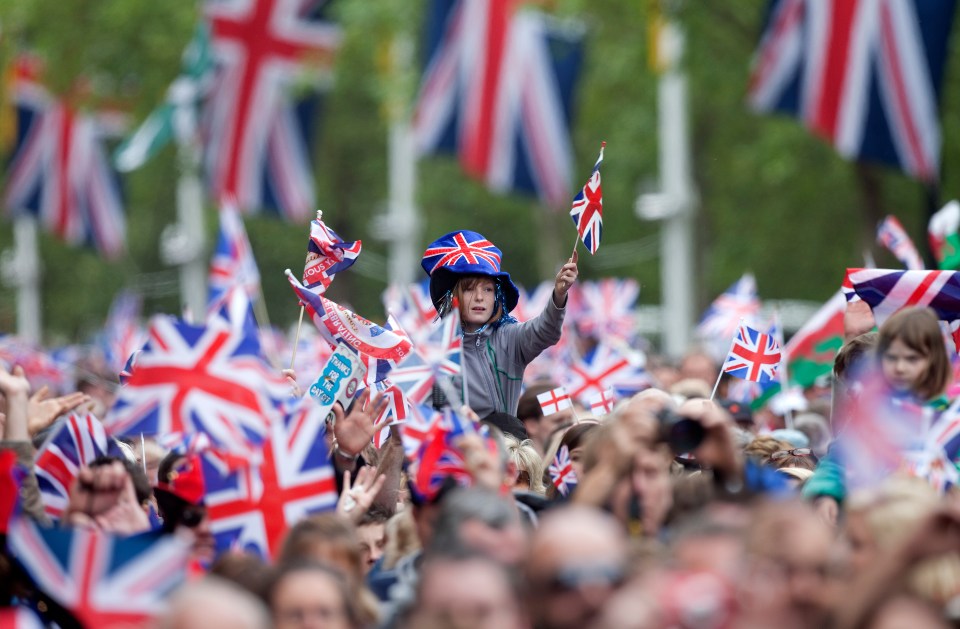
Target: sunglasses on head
(782, 454)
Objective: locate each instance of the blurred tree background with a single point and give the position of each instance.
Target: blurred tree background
(773, 199)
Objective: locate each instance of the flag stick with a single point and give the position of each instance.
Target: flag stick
(720, 375)
(143, 453)
(576, 242)
(296, 338)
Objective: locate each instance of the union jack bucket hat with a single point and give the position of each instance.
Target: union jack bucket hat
(462, 253)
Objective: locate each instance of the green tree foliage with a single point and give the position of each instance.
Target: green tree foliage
(774, 199)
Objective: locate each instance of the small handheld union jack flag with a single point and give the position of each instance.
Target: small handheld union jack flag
(562, 474)
(753, 356)
(892, 235)
(587, 210)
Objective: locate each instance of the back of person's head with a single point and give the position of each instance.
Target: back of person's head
(325, 537)
(815, 427)
(310, 588)
(479, 520)
(402, 538)
(244, 569)
(854, 354)
(528, 407)
(528, 462)
(919, 329)
(214, 602)
(507, 424)
(763, 447)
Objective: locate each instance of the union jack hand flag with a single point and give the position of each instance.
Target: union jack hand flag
(256, 150)
(199, 379)
(439, 458)
(894, 237)
(395, 412)
(338, 325)
(122, 334)
(587, 210)
(605, 309)
(101, 579)
(75, 443)
(252, 508)
(496, 91)
(420, 424)
(327, 255)
(59, 171)
(232, 263)
(754, 356)
(411, 305)
(561, 471)
(721, 320)
(865, 76)
(554, 401)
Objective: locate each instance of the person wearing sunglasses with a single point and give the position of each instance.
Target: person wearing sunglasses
(179, 494)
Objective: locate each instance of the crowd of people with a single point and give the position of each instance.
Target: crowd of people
(673, 510)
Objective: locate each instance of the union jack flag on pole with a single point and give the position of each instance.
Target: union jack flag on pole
(232, 263)
(496, 91)
(101, 579)
(339, 325)
(892, 235)
(59, 171)
(327, 255)
(753, 356)
(865, 76)
(76, 442)
(256, 150)
(561, 471)
(721, 320)
(587, 210)
(190, 379)
(252, 508)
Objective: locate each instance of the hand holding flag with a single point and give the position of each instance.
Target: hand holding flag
(587, 210)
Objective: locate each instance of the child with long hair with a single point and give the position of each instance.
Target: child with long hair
(911, 358)
(464, 269)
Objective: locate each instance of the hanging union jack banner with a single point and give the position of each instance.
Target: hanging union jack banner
(754, 356)
(101, 579)
(77, 442)
(59, 170)
(191, 379)
(864, 75)
(496, 91)
(587, 210)
(252, 508)
(255, 147)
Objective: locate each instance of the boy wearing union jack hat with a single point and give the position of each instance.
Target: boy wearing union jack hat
(464, 268)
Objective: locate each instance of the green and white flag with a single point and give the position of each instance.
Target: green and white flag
(175, 118)
(944, 237)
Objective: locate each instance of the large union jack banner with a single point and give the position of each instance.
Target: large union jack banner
(255, 146)
(191, 379)
(253, 507)
(77, 441)
(101, 579)
(753, 356)
(863, 74)
(59, 171)
(497, 91)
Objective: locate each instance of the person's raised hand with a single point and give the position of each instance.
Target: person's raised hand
(95, 491)
(44, 410)
(356, 499)
(13, 382)
(353, 431)
(291, 377)
(565, 278)
(857, 319)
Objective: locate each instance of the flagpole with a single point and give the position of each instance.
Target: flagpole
(716, 384)
(296, 338)
(784, 375)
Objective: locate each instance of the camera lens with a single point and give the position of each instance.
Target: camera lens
(684, 435)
